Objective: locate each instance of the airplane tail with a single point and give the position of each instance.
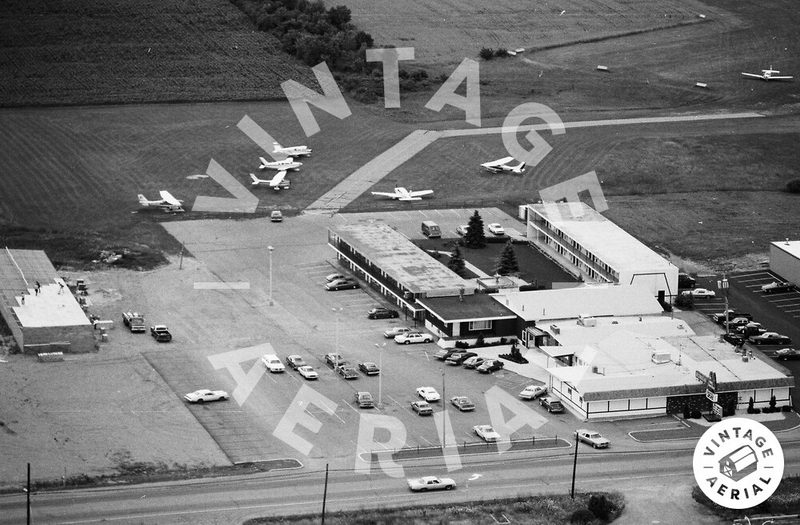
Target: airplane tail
(263, 162)
(142, 200)
(256, 180)
(276, 147)
(520, 168)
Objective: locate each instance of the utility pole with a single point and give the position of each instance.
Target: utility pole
(270, 248)
(444, 413)
(723, 285)
(325, 494)
(574, 468)
(28, 491)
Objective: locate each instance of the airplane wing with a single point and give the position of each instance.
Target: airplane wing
(419, 193)
(780, 78)
(384, 194)
(752, 75)
(497, 163)
(168, 198)
(277, 179)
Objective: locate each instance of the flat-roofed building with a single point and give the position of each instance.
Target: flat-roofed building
(590, 246)
(43, 317)
(784, 259)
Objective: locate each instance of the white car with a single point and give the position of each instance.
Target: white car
(428, 393)
(462, 230)
(592, 438)
(413, 337)
(394, 331)
(700, 292)
(533, 391)
(496, 229)
(308, 372)
(431, 483)
(486, 433)
(272, 363)
(335, 277)
(201, 396)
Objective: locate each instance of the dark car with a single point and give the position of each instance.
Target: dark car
(369, 368)
(769, 338)
(786, 354)
(735, 339)
(380, 312)
(552, 405)
(160, 333)
(347, 371)
(777, 287)
(490, 365)
(295, 361)
(686, 281)
(458, 358)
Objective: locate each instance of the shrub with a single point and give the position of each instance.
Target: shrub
(756, 411)
(686, 412)
(684, 301)
(486, 53)
(786, 408)
(696, 414)
(793, 186)
(750, 405)
(600, 506)
(582, 517)
(772, 403)
(480, 341)
(501, 52)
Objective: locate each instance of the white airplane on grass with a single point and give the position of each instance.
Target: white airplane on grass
(292, 151)
(503, 165)
(168, 203)
(276, 183)
(404, 194)
(280, 165)
(768, 74)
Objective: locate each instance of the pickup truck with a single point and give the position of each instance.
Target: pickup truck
(134, 321)
(777, 287)
(160, 333)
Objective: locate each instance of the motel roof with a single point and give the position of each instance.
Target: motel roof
(790, 247)
(476, 307)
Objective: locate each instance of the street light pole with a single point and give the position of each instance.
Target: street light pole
(270, 248)
(380, 373)
(723, 285)
(336, 311)
(444, 413)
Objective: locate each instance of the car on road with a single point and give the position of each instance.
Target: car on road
(592, 438)
(272, 363)
(161, 333)
(364, 400)
(423, 408)
(428, 393)
(486, 433)
(347, 371)
(413, 337)
(462, 229)
(719, 317)
(308, 372)
(204, 395)
(777, 287)
(463, 403)
(769, 338)
(276, 216)
(431, 483)
(495, 229)
(295, 361)
(369, 368)
(787, 354)
(333, 359)
(490, 365)
(552, 405)
(699, 292)
(397, 330)
(380, 312)
(474, 362)
(533, 391)
(341, 284)
(458, 358)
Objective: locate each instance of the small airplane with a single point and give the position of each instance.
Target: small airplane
(768, 74)
(404, 194)
(292, 151)
(276, 183)
(168, 203)
(280, 165)
(502, 165)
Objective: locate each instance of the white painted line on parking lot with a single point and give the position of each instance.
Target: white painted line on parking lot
(222, 285)
(423, 438)
(351, 406)
(396, 402)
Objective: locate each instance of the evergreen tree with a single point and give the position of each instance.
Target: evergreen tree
(475, 237)
(507, 262)
(456, 262)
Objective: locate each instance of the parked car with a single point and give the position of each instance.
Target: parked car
(428, 393)
(422, 408)
(341, 284)
(769, 338)
(413, 337)
(592, 438)
(397, 330)
(777, 287)
(750, 329)
(380, 312)
(533, 391)
(161, 333)
(552, 404)
(203, 395)
(295, 361)
(686, 281)
(699, 292)
(276, 216)
(786, 354)
(735, 339)
(457, 358)
(335, 277)
(431, 483)
(462, 403)
(736, 322)
(364, 400)
(272, 363)
(490, 365)
(719, 317)
(445, 353)
(333, 359)
(308, 372)
(369, 368)
(474, 362)
(347, 371)
(486, 433)
(462, 230)
(495, 229)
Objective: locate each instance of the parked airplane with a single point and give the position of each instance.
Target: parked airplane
(280, 165)
(501, 165)
(276, 183)
(168, 203)
(768, 74)
(404, 194)
(292, 151)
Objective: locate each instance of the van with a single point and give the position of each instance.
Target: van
(431, 230)
(552, 405)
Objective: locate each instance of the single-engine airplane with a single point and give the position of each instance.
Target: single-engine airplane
(280, 165)
(168, 203)
(404, 194)
(292, 151)
(768, 74)
(276, 183)
(503, 165)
